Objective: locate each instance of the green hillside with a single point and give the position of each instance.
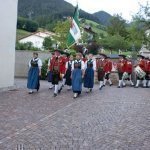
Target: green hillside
(97, 28)
(21, 33)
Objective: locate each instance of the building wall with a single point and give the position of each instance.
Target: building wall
(22, 60)
(36, 40)
(8, 18)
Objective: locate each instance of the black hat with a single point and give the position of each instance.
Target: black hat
(56, 50)
(141, 56)
(103, 55)
(121, 55)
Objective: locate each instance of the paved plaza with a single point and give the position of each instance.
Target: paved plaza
(111, 119)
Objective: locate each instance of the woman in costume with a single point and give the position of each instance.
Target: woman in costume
(68, 72)
(34, 73)
(90, 67)
(77, 75)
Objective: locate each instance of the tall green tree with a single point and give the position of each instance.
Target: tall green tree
(62, 29)
(117, 26)
(47, 43)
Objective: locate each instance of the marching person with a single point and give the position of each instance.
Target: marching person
(147, 70)
(100, 61)
(50, 72)
(34, 73)
(128, 71)
(90, 68)
(57, 63)
(121, 67)
(142, 64)
(65, 60)
(107, 69)
(77, 75)
(68, 72)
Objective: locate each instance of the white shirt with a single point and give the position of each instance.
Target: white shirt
(39, 62)
(82, 64)
(67, 64)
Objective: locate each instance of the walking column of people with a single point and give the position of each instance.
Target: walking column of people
(63, 70)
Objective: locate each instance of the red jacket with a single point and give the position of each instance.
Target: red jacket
(108, 66)
(142, 64)
(121, 66)
(147, 68)
(128, 67)
(57, 63)
(100, 64)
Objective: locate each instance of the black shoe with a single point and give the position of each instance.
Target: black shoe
(136, 86)
(101, 88)
(110, 84)
(119, 87)
(59, 90)
(55, 94)
(103, 85)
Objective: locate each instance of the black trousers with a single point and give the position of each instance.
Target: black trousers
(107, 76)
(120, 74)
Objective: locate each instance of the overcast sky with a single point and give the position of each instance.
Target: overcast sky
(126, 8)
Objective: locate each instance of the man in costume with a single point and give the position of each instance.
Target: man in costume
(100, 62)
(142, 64)
(128, 72)
(147, 70)
(107, 69)
(57, 71)
(121, 67)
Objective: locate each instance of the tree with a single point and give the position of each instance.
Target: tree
(143, 18)
(47, 43)
(117, 26)
(27, 25)
(62, 30)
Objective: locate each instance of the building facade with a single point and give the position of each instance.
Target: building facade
(8, 17)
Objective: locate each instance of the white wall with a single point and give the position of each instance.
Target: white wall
(36, 40)
(22, 61)
(8, 18)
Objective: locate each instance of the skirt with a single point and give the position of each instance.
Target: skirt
(77, 80)
(68, 77)
(89, 78)
(33, 78)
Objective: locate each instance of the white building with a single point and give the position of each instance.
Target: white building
(8, 17)
(37, 38)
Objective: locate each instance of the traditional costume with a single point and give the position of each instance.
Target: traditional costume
(142, 64)
(121, 67)
(90, 67)
(128, 72)
(147, 70)
(33, 82)
(68, 74)
(50, 73)
(107, 69)
(57, 71)
(77, 73)
(100, 70)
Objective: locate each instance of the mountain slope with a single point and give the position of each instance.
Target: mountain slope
(54, 9)
(104, 17)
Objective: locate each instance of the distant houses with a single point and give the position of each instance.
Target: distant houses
(37, 39)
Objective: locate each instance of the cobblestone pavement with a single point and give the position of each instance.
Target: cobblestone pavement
(111, 119)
